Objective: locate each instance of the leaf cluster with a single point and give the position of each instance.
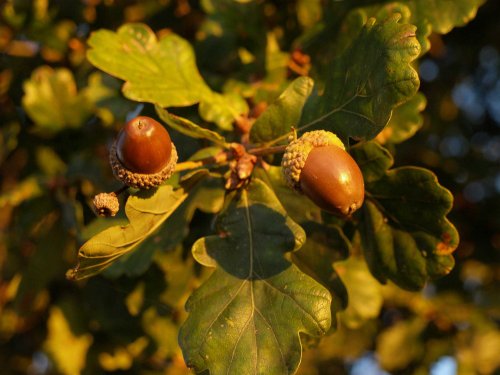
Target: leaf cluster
(231, 277)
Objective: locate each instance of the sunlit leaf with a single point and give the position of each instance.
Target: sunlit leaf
(163, 331)
(247, 316)
(145, 214)
(309, 12)
(189, 128)
(67, 349)
(161, 71)
(207, 196)
(406, 120)
(284, 113)
(371, 78)
(363, 290)
(26, 189)
(223, 109)
(400, 344)
(53, 102)
(49, 162)
(405, 234)
(104, 91)
(443, 15)
(122, 358)
(158, 71)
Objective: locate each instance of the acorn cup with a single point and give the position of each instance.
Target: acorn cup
(143, 155)
(318, 166)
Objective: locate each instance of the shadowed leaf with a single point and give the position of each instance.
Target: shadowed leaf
(259, 302)
(405, 233)
(145, 216)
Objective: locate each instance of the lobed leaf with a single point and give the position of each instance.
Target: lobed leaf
(145, 216)
(405, 234)
(161, 71)
(406, 120)
(284, 113)
(372, 77)
(158, 71)
(443, 15)
(53, 102)
(246, 318)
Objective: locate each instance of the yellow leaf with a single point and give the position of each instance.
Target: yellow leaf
(67, 350)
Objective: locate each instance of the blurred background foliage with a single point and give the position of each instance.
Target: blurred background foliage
(58, 117)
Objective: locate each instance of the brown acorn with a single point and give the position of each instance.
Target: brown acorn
(318, 166)
(143, 155)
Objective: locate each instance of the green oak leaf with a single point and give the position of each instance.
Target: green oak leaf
(189, 128)
(401, 344)
(405, 234)
(324, 246)
(246, 318)
(53, 102)
(438, 16)
(207, 196)
(382, 12)
(406, 120)
(67, 349)
(223, 109)
(284, 113)
(298, 206)
(373, 160)
(363, 290)
(309, 12)
(161, 71)
(443, 15)
(145, 216)
(158, 71)
(372, 77)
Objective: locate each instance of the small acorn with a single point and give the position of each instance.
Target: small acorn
(143, 155)
(318, 166)
(106, 204)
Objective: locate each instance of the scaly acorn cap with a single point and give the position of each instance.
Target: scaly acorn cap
(296, 153)
(141, 180)
(106, 204)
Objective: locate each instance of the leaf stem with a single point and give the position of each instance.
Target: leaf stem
(313, 122)
(261, 151)
(220, 158)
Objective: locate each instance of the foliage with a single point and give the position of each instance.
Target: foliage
(223, 269)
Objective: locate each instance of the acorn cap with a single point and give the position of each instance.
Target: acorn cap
(297, 151)
(106, 204)
(141, 180)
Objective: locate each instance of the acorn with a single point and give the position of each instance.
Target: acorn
(318, 166)
(106, 204)
(143, 155)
